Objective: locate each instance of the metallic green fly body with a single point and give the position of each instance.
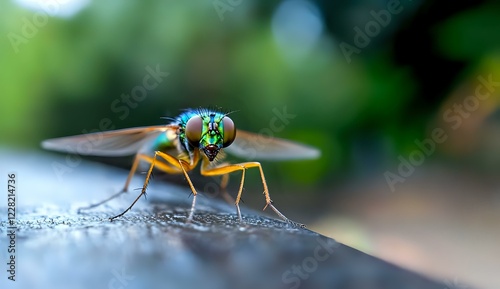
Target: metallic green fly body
(196, 135)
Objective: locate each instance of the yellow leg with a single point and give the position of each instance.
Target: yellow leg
(227, 169)
(223, 186)
(142, 157)
(137, 159)
(173, 165)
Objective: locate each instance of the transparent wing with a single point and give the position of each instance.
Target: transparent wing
(254, 146)
(121, 142)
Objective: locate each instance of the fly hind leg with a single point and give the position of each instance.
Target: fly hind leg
(135, 164)
(227, 169)
(172, 165)
(223, 186)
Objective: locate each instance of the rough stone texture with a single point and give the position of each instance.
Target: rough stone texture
(153, 247)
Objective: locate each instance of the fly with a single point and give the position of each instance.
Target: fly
(195, 135)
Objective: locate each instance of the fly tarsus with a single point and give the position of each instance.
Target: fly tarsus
(294, 224)
(79, 210)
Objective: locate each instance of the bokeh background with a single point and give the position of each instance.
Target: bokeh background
(364, 81)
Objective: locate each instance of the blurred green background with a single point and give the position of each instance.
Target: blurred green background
(65, 63)
(363, 79)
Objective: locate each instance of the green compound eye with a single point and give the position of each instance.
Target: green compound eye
(194, 128)
(229, 131)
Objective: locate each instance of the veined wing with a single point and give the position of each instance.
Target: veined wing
(122, 142)
(254, 146)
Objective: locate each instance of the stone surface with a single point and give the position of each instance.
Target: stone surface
(154, 247)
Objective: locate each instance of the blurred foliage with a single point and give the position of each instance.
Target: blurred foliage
(61, 75)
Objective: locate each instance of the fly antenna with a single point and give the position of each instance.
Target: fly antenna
(230, 112)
